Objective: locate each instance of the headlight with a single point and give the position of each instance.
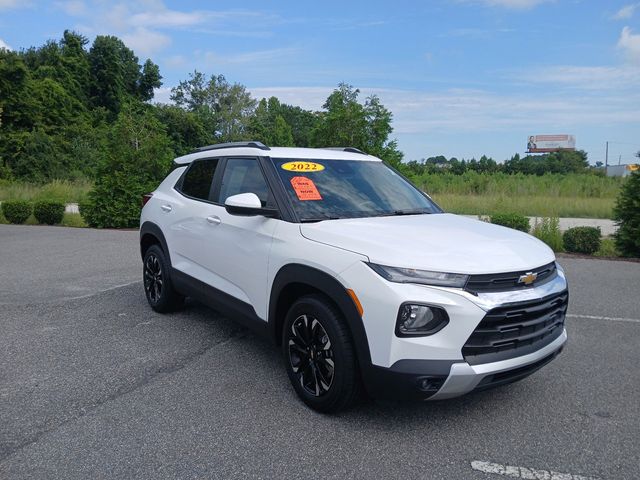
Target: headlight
(410, 275)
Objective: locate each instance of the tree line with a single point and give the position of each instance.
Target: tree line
(72, 110)
(556, 162)
(66, 107)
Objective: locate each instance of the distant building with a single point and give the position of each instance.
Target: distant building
(621, 170)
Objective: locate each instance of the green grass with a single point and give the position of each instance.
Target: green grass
(607, 248)
(548, 230)
(57, 190)
(572, 195)
(73, 220)
(535, 206)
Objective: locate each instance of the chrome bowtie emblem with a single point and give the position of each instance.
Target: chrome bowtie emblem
(528, 278)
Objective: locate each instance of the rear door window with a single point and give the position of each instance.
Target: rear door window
(198, 179)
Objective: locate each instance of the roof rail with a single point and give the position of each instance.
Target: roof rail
(219, 146)
(346, 149)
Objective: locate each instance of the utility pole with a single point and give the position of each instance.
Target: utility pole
(606, 160)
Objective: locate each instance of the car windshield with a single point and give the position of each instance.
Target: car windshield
(333, 189)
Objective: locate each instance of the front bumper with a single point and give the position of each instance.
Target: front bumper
(464, 378)
(442, 379)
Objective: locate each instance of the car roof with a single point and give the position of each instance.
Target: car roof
(277, 152)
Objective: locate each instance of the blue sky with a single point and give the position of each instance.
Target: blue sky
(462, 77)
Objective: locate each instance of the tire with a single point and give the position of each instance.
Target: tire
(157, 284)
(319, 355)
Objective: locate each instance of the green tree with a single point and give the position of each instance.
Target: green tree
(116, 76)
(139, 156)
(58, 101)
(269, 126)
(225, 108)
(281, 135)
(75, 61)
(185, 129)
(556, 162)
(14, 98)
(302, 123)
(627, 215)
(5, 170)
(346, 122)
(150, 78)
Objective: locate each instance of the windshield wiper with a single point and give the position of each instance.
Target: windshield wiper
(404, 212)
(319, 219)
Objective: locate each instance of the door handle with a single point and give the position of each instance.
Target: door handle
(214, 220)
(166, 208)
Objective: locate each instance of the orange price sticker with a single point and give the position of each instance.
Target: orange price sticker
(305, 189)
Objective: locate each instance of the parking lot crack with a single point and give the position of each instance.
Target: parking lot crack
(7, 451)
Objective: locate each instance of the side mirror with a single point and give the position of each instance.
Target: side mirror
(247, 204)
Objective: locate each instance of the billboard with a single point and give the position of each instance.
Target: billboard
(550, 143)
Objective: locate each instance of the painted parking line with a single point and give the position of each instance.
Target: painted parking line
(524, 472)
(612, 319)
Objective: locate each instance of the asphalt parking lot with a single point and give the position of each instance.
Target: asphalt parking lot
(93, 384)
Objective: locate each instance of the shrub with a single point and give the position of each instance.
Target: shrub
(73, 220)
(16, 211)
(49, 212)
(511, 220)
(548, 230)
(607, 248)
(627, 214)
(139, 157)
(582, 240)
(83, 206)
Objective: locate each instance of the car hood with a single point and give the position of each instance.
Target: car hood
(438, 242)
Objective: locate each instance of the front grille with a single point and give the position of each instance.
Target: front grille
(500, 282)
(516, 329)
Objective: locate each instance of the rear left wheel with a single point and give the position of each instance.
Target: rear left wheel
(158, 288)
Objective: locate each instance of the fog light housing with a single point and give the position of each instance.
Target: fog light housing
(430, 384)
(415, 320)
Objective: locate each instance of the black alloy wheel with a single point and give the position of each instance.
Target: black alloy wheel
(311, 356)
(153, 279)
(156, 278)
(319, 355)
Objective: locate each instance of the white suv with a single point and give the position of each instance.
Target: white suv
(357, 274)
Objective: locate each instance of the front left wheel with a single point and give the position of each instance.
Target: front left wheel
(319, 355)
(158, 288)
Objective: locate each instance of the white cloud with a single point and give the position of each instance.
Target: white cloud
(175, 61)
(465, 110)
(162, 95)
(512, 4)
(73, 8)
(259, 56)
(146, 42)
(583, 77)
(146, 25)
(4, 45)
(167, 18)
(309, 98)
(477, 32)
(630, 43)
(8, 4)
(626, 12)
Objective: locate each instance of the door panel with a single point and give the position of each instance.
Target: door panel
(228, 252)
